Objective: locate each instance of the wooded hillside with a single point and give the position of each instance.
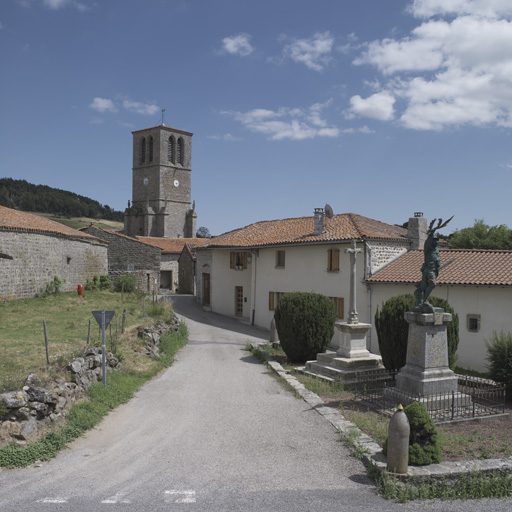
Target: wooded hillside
(21, 195)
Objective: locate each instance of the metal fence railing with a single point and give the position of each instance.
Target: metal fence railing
(475, 397)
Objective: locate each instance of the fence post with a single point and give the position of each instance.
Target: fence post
(124, 320)
(474, 402)
(89, 334)
(453, 404)
(46, 343)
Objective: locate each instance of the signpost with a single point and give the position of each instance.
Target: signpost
(103, 318)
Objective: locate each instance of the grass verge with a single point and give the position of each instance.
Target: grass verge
(101, 400)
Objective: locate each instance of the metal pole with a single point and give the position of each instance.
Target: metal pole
(46, 343)
(104, 355)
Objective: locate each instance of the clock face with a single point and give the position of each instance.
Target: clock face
(145, 181)
(176, 183)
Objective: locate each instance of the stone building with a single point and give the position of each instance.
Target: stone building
(128, 255)
(161, 187)
(33, 250)
(176, 273)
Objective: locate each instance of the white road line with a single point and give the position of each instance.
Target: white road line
(117, 498)
(53, 500)
(185, 496)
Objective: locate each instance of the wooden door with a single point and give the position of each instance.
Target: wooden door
(206, 289)
(239, 300)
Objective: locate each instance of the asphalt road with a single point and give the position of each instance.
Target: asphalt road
(215, 432)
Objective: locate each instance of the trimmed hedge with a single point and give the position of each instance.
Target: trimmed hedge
(305, 324)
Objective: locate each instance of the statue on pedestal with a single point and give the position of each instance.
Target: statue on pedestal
(429, 269)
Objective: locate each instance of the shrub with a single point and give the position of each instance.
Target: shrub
(393, 330)
(305, 324)
(101, 282)
(126, 283)
(53, 287)
(499, 355)
(424, 444)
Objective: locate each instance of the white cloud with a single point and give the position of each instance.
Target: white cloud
(314, 52)
(59, 4)
(141, 108)
(378, 106)
(227, 137)
(449, 72)
(238, 45)
(103, 105)
(286, 123)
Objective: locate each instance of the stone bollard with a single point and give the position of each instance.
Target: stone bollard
(398, 442)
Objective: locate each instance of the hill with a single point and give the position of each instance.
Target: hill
(21, 195)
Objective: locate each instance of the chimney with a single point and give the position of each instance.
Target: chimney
(417, 231)
(319, 221)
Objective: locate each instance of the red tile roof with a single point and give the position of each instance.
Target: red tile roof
(15, 220)
(172, 245)
(300, 230)
(463, 267)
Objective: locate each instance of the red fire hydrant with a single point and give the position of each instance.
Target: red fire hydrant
(80, 290)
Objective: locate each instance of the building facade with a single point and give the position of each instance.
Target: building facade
(161, 187)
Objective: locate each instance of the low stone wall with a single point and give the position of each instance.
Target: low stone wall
(30, 410)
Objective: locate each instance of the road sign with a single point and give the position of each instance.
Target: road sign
(108, 317)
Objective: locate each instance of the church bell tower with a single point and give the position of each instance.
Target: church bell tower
(161, 187)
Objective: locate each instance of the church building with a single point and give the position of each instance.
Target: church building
(161, 187)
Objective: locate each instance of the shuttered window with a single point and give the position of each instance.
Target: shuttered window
(339, 302)
(333, 260)
(170, 150)
(143, 150)
(179, 151)
(273, 299)
(238, 260)
(150, 149)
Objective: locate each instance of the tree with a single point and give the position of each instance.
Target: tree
(203, 232)
(393, 330)
(482, 236)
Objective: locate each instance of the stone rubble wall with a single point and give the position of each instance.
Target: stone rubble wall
(32, 260)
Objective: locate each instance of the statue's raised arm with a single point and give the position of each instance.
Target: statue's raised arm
(430, 267)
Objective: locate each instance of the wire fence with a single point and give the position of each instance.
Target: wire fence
(474, 398)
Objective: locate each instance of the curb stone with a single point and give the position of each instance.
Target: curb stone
(371, 451)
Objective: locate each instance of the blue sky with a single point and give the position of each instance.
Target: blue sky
(377, 107)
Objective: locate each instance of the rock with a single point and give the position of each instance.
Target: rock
(33, 381)
(14, 399)
(28, 429)
(40, 395)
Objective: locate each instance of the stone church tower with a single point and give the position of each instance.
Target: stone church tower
(161, 188)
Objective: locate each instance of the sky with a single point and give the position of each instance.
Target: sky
(377, 107)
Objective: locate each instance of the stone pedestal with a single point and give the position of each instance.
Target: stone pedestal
(426, 371)
(351, 357)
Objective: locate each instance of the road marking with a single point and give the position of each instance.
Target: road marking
(53, 500)
(117, 498)
(185, 496)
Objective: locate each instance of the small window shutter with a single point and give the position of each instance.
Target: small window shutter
(341, 307)
(329, 259)
(231, 260)
(245, 260)
(335, 259)
(271, 301)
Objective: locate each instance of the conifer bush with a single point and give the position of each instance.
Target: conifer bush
(305, 324)
(424, 444)
(393, 330)
(499, 356)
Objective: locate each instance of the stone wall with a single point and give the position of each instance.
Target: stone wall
(382, 253)
(126, 255)
(31, 260)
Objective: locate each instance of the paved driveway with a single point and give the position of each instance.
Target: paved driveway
(214, 432)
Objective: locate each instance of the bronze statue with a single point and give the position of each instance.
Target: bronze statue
(430, 268)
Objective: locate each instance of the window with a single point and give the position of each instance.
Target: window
(273, 299)
(170, 149)
(142, 150)
(339, 302)
(150, 149)
(333, 260)
(473, 323)
(238, 260)
(179, 151)
(280, 259)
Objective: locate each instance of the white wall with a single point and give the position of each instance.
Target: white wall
(492, 303)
